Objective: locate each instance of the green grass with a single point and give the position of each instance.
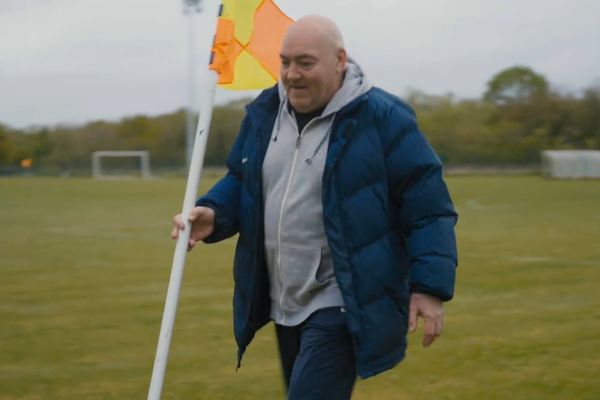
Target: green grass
(84, 267)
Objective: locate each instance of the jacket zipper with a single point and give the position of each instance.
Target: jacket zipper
(283, 201)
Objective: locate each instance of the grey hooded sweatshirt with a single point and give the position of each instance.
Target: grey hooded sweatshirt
(298, 257)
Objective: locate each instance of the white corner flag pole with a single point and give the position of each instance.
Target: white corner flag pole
(166, 327)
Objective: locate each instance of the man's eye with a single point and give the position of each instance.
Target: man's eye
(306, 64)
(285, 63)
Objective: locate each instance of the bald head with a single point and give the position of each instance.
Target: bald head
(322, 27)
(313, 61)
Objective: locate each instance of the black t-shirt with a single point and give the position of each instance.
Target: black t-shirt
(304, 118)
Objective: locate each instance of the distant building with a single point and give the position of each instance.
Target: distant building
(566, 164)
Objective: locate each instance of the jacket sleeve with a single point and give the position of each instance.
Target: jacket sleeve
(424, 213)
(224, 197)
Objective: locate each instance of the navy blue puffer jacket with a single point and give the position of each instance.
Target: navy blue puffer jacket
(388, 218)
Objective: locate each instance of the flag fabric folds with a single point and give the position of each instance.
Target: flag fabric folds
(245, 52)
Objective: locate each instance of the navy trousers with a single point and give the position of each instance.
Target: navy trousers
(317, 357)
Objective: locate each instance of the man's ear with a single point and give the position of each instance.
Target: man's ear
(342, 58)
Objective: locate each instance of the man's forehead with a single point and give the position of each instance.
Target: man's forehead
(302, 45)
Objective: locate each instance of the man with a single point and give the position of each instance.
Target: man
(346, 226)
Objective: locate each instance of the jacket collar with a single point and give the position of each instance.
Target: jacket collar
(266, 103)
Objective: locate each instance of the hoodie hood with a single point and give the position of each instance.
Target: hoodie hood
(354, 85)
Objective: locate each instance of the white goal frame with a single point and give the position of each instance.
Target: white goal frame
(571, 164)
(97, 156)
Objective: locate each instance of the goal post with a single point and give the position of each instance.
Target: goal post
(97, 156)
(571, 164)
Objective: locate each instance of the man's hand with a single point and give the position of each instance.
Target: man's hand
(203, 224)
(431, 309)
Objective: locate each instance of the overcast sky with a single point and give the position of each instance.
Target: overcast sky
(71, 61)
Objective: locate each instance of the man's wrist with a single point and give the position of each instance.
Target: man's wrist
(418, 290)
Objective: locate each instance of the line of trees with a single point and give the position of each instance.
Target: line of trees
(518, 116)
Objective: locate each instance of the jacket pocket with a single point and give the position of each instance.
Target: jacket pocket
(324, 272)
(304, 269)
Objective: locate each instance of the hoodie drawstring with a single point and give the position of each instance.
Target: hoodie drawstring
(308, 161)
(278, 122)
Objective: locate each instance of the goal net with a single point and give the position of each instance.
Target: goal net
(115, 164)
(571, 163)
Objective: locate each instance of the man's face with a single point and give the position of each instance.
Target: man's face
(311, 70)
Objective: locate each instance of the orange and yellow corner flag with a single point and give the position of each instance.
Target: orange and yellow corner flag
(247, 43)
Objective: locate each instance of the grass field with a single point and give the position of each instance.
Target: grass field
(84, 267)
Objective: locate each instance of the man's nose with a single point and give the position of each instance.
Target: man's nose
(292, 73)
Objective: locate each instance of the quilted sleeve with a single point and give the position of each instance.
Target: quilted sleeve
(424, 213)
